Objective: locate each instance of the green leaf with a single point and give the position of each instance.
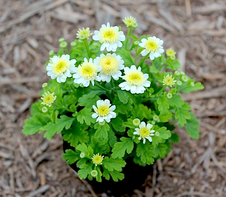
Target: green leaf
(126, 145)
(85, 116)
(153, 69)
(88, 100)
(68, 100)
(70, 156)
(102, 131)
(85, 170)
(176, 101)
(77, 133)
(141, 111)
(162, 150)
(192, 127)
(129, 124)
(182, 114)
(112, 138)
(87, 150)
(35, 124)
(106, 174)
(126, 56)
(163, 105)
(113, 164)
(173, 64)
(165, 117)
(123, 96)
(197, 86)
(52, 128)
(164, 133)
(36, 108)
(174, 138)
(54, 116)
(117, 124)
(116, 175)
(146, 153)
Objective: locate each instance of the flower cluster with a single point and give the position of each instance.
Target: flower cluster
(113, 97)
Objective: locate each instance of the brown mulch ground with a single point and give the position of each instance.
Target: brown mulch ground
(32, 166)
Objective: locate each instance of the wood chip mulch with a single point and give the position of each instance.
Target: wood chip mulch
(31, 166)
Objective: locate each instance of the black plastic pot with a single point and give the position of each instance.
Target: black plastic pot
(135, 176)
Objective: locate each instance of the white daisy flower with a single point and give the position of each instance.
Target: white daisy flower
(110, 36)
(60, 68)
(86, 73)
(144, 131)
(104, 111)
(152, 46)
(111, 65)
(135, 80)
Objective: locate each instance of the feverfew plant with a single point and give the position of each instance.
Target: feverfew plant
(113, 97)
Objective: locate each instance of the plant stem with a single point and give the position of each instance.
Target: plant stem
(87, 47)
(100, 86)
(128, 36)
(160, 91)
(142, 62)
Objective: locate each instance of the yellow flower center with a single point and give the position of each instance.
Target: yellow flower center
(103, 110)
(83, 33)
(60, 66)
(170, 52)
(134, 77)
(151, 45)
(168, 80)
(109, 64)
(88, 71)
(144, 132)
(108, 35)
(97, 159)
(48, 98)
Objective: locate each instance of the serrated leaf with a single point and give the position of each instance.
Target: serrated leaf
(85, 170)
(197, 86)
(165, 117)
(77, 133)
(126, 145)
(106, 174)
(192, 126)
(112, 138)
(162, 150)
(142, 111)
(113, 164)
(164, 133)
(117, 124)
(146, 153)
(163, 105)
(182, 114)
(87, 150)
(116, 175)
(88, 100)
(61, 123)
(70, 156)
(123, 96)
(129, 124)
(102, 131)
(176, 101)
(35, 124)
(85, 116)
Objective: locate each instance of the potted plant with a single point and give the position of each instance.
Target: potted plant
(115, 99)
